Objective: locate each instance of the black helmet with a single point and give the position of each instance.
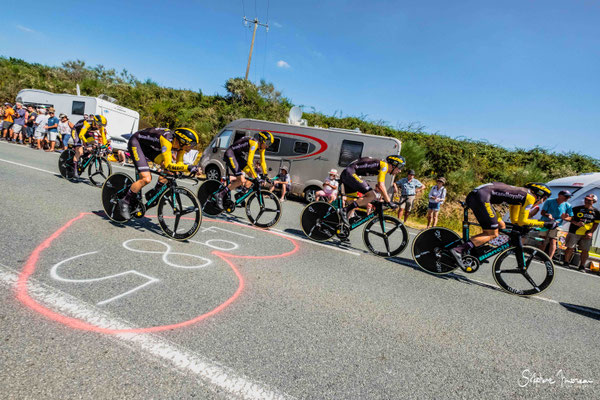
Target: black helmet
(264, 137)
(186, 136)
(396, 161)
(539, 189)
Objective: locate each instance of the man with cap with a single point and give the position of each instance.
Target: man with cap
(408, 187)
(283, 182)
(583, 225)
(558, 210)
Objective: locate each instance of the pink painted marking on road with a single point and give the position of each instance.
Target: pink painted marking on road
(23, 296)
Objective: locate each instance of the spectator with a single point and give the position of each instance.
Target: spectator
(583, 225)
(8, 121)
(558, 210)
(409, 188)
(20, 117)
(64, 128)
(282, 182)
(437, 195)
(330, 187)
(40, 127)
(52, 128)
(30, 124)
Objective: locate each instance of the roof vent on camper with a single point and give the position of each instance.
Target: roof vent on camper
(107, 98)
(295, 117)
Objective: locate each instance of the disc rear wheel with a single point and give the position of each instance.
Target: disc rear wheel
(114, 189)
(430, 250)
(319, 221)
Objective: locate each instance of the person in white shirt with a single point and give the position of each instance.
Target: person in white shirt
(330, 188)
(40, 127)
(437, 195)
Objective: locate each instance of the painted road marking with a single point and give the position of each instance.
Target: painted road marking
(216, 377)
(328, 246)
(54, 274)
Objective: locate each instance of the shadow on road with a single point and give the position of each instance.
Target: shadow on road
(589, 312)
(139, 224)
(333, 242)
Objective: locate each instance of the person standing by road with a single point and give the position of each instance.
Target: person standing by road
(64, 128)
(558, 210)
(583, 225)
(8, 121)
(20, 118)
(437, 195)
(52, 128)
(40, 127)
(409, 188)
(30, 124)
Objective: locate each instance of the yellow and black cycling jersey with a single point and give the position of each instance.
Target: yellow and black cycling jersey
(83, 132)
(156, 145)
(368, 166)
(480, 201)
(240, 156)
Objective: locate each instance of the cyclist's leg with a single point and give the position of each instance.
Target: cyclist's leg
(141, 165)
(352, 183)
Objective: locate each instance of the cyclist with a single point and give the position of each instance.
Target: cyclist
(83, 134)
(239, 156)
(157, 145)
(480, 200)
(368, 166)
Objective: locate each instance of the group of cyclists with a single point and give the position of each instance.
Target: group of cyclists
(157, 145)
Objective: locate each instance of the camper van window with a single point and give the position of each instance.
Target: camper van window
(78, 108)
(350, 151)
(238, 135)
(274, 148)
(224, 139)
(301, 147)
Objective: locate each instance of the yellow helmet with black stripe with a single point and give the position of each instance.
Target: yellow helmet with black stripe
(186, 136)
(396, 161)
(539, 189)
(264, 137)
(99, 120)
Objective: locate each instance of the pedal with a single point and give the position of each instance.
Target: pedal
(343, 231)
(229, 205)
(470, 264)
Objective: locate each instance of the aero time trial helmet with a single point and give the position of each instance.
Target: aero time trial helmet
(539, 189)
(264, 137)
(186, 136)
(99, 120)
(396, 161)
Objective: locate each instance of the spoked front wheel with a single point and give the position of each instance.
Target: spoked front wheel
(99, 170)
(65, 164)
(385, 237)
(114, 189)
(179, 213)
(207, 193)
(534, 278)
(263, 209)
(430, 250)
(319, 221)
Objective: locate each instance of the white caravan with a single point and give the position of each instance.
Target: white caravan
(120, 120)
(307, 152)
(580, 186)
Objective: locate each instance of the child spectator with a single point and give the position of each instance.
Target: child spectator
(282, 182)
(330, 188)
(437, 195)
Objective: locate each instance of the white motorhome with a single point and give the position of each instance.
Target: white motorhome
(120, 120)
(308, 153)
(579, 186)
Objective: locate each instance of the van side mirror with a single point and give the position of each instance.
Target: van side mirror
(217, 145)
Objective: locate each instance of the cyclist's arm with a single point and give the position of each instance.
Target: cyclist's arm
(383, 169)
(103, 135)
(167, 157)
(519, 214)
(250, 161)
(83, 131)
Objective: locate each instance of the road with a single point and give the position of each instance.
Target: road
(91, 309)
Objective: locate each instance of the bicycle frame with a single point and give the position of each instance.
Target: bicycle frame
(486, 251)
(92, 156)
(255, 188)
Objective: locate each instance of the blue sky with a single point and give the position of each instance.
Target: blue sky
(515, 73)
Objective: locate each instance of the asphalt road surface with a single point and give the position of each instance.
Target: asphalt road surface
(91, 309)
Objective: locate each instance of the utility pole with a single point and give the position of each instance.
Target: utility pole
(256, 23)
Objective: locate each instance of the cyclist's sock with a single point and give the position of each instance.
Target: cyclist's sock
(129, 196)
(351, 207)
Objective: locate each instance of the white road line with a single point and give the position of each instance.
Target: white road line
(215, 377)
(282, 233)
(27, 166)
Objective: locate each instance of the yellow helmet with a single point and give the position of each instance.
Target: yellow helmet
(99, 120)
(187, 136)
(264, 137)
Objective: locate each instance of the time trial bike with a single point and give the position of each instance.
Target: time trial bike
(95, 161)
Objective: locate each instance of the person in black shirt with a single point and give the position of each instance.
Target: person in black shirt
(583, 225)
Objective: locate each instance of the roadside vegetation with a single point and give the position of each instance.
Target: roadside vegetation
(465, 163)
